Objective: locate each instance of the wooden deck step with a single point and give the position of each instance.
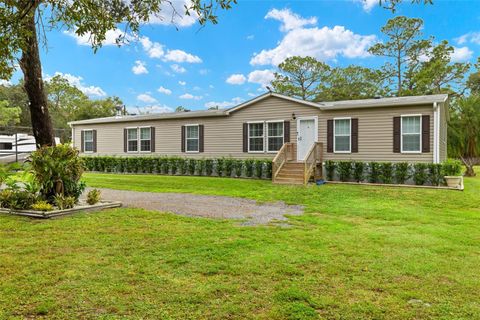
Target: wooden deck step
(291, 173)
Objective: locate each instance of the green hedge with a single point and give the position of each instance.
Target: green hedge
(392, 172)
(221, 167)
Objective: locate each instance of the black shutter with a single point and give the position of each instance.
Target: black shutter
(426, 134)
(286, 131)
(94, 133)
(245, 137)
(152, 139)
(396, 134)
(330, 136)
(354, 133)
(183, 138)
(201, 137)
(82, 141)
(125, 140)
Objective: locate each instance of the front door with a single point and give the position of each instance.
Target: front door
(306, 136)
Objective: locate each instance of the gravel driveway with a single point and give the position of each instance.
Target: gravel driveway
(193, 205)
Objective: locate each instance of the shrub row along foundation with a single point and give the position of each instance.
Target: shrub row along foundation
(221, 167)
(388, 173)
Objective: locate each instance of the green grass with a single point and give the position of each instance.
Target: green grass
(357, 253)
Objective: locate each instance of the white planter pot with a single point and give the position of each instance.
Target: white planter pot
(454, 181)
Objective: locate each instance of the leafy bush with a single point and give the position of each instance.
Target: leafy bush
(435, 176)
(238, 167)
(93, 196)
(200, 166)
(63, 202)
(228, 167)
(191, 164)
(374, 172)
(358, 170)
(182, 166)
(452, 167)
(268, 169)
(208, 167)
(172, 163)
(42, 205)
(258, 168)
(401, 172)
(17, 199)
(220, 166)
(419, 173)
(344, 170)
(330, 167)
(249, 167)
(386, 172)
(58, 171)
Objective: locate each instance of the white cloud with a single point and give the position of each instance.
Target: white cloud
(211, 86)
(139, 68)
(461, 54)
(153, 49)
(367, 5)
(252, 94)
(289, 19)
(188, 96)
(472, 37)
(178, 69)
(77, 81)
(111, 37)
(182, 83)
(250, 37)
(5, 83)
(173, 13)
(155, 109)
(236, 79)
(224, 104)
(203, 71)
(146, 97)
(181, 56)
(322, 43)
(164, 91)
(262, 77)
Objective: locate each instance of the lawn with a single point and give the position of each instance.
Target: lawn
(357, 253)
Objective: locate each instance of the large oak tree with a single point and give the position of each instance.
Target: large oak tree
(23, 24)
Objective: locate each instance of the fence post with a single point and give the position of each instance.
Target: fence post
(16, 147)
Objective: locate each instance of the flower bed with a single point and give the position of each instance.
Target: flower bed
(219, 167)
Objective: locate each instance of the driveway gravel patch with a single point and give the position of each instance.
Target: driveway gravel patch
(206, 206)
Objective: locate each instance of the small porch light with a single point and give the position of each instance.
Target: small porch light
(294, 116)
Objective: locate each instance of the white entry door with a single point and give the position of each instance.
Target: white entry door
(306, 136)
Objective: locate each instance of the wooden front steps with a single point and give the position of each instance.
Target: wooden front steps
(291, 173)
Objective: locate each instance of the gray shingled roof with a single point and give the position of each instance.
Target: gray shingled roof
(333, 105)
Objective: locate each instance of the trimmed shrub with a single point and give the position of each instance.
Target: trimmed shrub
(182, 166)
(191, 164)
(228, 167)
(401, 172)
(452, 167)
(42, 205)
(93, 196)
(374, 172)
(249, 167)
(238, 167)
(358, 168)
(173, 164)
(268, 169)
(208, 167)
(17, 199)
(435, 176)
(258, 168)
(386, 172)
(200, 166)
(220, 166)
(64, 202)
(330, 167)
(419, 173)
(344, 170)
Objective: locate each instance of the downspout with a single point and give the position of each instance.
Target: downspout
(435, 133)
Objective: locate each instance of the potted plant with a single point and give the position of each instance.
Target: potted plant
(452, 170)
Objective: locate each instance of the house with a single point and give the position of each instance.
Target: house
(293, 131)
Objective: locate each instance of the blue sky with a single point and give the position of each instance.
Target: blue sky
(230, 62)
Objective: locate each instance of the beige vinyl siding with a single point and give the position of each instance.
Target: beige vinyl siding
(375, 134)
(223, 136)
(443, 132)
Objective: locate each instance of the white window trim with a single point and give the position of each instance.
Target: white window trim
(139, 135)
(334, 136)
(85, 141)
(268, 136)
(401, 134)
(263, 136)
(186, 138)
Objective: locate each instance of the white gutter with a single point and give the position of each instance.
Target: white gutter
(436, 123)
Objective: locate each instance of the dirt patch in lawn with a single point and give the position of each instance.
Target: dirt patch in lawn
(193, 205)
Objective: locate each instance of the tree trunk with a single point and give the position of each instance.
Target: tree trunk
(33, 84)
(470, 172)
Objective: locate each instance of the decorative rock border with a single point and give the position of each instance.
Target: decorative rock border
(57, 213)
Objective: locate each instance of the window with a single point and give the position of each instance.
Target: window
(411, 133)
(255, 137)
(192, 138)
(88, 141)
(145, 140)
(342, 135)
(132, 140)
(274, 136)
